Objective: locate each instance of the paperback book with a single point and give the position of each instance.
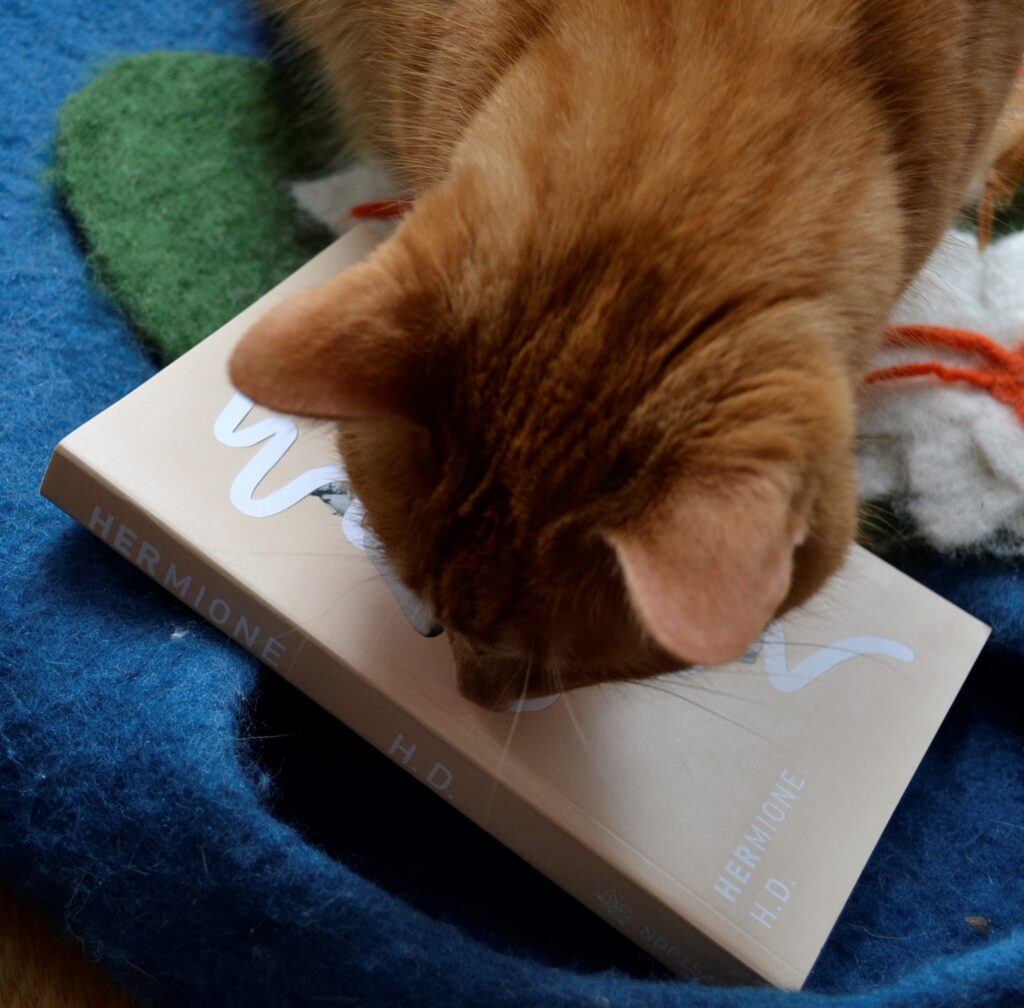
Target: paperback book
(719, 818)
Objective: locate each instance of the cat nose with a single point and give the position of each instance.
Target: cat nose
(490, 682)
(491, 695)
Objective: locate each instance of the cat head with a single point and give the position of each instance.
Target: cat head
(590, 462)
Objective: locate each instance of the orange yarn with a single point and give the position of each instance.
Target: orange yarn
(380, 209)
(1002, 378)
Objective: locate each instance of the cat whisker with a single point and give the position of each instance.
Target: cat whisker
(351, 587)
(575, 721)
(688, 680)
(648, 684)
(496, 779)
(875, 521)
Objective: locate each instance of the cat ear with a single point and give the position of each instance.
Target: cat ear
(337, 351)
(708, 573)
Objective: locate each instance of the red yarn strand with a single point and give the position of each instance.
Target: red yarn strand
(1003, 379)
(380, 209)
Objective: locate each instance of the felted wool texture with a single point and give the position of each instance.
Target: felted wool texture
(133, 808)
(951, 456)
(142, 154)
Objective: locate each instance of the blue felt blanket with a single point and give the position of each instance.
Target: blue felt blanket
(213, 840)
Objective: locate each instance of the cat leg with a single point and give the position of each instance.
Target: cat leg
(330, 199)
(1005, 162)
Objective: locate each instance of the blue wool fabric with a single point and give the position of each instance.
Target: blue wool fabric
(213, 840)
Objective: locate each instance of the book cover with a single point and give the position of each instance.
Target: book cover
(717, 817)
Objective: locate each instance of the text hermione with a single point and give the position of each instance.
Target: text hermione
(147, 557)
(746, 856)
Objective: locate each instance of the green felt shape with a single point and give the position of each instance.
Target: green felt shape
(175, 167)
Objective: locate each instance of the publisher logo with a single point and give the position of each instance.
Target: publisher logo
(613, 907)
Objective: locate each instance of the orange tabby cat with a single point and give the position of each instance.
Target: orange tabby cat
(597, 392)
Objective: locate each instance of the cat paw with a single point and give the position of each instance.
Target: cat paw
(329, 200)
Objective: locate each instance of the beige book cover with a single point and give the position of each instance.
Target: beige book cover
(718, 817)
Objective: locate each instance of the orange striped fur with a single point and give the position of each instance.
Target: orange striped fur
(597, 391)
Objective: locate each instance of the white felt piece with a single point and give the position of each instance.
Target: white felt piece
(946, 287)
(329, 199)
(879, 469)
(1001, 448)
(951, 455)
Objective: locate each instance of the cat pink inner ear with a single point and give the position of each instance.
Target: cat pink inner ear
(333, 352)
(707, 576)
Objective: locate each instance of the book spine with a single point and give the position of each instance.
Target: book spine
(108, 513)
